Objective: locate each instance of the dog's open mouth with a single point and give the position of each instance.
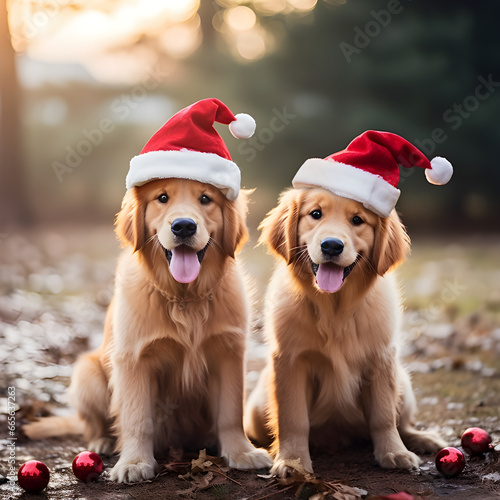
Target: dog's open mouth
(330, 276)
(185, 263)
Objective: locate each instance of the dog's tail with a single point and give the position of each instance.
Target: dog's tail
(53, 427)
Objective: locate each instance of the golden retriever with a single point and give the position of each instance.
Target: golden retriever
(332, 320)
(170, 369)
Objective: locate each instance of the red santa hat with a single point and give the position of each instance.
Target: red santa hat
(367, 170)
(189, 147)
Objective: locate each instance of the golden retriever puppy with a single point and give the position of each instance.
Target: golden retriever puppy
(170, 369)
(332, 320)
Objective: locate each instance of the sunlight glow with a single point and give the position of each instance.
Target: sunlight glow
(181, 40)
(240, 18)
(229, 3)
(251, 45)
(102, 35)
(177, 11)
(115, 38)
(270, 7)
(303, 5)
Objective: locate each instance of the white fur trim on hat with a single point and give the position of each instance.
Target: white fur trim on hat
(185, 164)
(347, 181)
(440, 172)
(243, 127)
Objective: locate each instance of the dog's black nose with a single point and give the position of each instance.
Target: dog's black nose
(184, 228)
(332, 246)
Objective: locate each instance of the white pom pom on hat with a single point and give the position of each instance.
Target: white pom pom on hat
(243, 127)
(440, 172)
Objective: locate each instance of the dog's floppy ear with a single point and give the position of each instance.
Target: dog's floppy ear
(129, 224)
(392, 244)
(280, 227)
(235, 232)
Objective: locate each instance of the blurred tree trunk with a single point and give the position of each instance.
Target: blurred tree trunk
(206, 11)
(14, 206)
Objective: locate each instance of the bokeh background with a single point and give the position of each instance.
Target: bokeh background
(85, 83)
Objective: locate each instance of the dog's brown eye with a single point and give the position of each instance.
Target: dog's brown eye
(316, 214)
(205, 200)
(163, 198)
(357, 220)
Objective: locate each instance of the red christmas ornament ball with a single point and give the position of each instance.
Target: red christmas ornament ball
(476, 441)
(450, 462)
(397, 496)
(33, 476)
(87, 466)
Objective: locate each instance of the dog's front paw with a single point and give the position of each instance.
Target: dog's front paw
(283, 468)
(134, 471)
(401, 459)
(251, 458)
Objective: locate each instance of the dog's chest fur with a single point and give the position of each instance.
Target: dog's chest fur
(342, 349)
(189, 325)
(180, 340)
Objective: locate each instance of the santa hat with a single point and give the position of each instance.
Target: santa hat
(188, 147)
(367, 170)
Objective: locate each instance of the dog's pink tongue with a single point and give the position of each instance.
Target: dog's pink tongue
(329, 277)
(184, 264)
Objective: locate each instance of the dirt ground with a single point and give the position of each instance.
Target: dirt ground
(54, 289)
(354, 467)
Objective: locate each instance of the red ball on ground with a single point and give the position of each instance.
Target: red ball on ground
(87, 466)
(450, 462)
(397, 496)
(476, 441)
(33, 476)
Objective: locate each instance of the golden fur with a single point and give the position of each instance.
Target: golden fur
(170, 369)
(334, 368)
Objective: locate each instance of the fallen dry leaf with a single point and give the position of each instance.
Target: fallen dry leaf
(205, 473)
(198, 463)
(301, 478)
(343, 492)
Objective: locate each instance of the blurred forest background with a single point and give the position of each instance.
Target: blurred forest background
(84, 84)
